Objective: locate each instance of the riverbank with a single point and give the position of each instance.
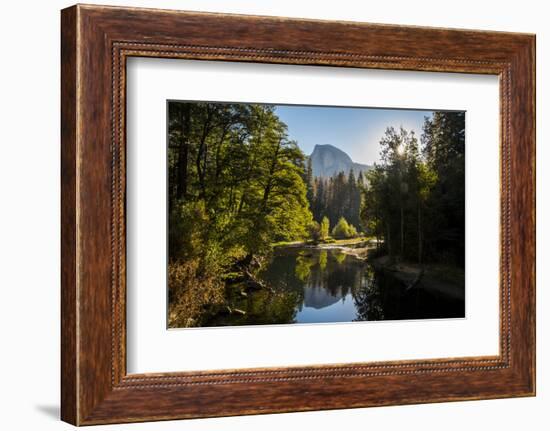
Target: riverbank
(443, 279)
(359, 247)
(312, 283)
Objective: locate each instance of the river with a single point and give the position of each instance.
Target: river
(321, 285)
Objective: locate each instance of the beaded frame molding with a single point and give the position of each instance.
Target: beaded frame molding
(95, 43)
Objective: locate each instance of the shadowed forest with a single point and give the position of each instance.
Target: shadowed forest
(255, 238)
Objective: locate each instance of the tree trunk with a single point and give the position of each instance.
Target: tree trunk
(183, 154)
(389, 239)
(419, 234)
(402, 252)
(202, 154)
(268, 186)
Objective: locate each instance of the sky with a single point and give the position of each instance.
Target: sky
(356, 131)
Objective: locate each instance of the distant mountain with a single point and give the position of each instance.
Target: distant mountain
(318, 297)
(327, 161)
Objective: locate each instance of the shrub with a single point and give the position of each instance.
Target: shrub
(343, 229)
(190, 289)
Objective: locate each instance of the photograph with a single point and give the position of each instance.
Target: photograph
(289, 214)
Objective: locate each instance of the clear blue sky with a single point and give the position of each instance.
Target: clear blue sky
(356, 131)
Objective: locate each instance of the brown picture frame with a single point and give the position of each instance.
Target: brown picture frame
(95, 43)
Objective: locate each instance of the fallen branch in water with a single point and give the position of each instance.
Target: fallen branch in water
(415, 282)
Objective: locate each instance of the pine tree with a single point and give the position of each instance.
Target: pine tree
(325, 228)
(309, 182)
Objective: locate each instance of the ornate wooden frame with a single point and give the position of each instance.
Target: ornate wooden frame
(95, 43)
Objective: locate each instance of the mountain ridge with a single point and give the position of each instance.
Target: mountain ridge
(328, 160)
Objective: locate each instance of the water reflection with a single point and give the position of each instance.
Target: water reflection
(326, 285)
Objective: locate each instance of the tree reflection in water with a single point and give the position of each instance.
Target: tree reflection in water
(367, 297)
(308, 285)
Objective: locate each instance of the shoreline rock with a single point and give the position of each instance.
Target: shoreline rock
(443, 279)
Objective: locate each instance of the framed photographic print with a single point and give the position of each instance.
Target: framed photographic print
(266, 234)
(324, 214)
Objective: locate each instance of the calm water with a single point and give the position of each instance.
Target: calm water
(314, 286)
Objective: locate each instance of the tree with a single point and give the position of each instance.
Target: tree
(315, 232)
(397, 149)
(443, 138)
(324, 228)
(360, 179)
(426, 180)
(308, 179)
(343, 229)
(337, 196)
(237, 184)
(353, 196)
(413, 184)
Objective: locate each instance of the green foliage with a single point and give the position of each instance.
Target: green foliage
(324, 228)
(444, 151)
(304, 263)
(340, 258)
(323, 259)
(236, 162)
(265, 307)
(344, 230)
(236, 185)
(412, 186)
(337, 196)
